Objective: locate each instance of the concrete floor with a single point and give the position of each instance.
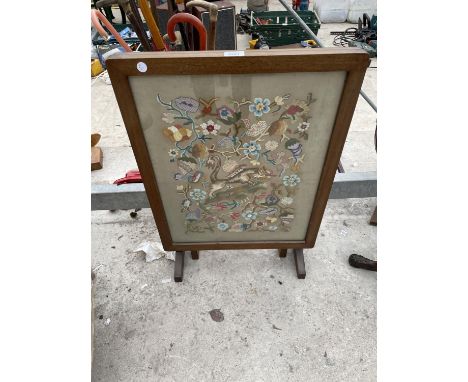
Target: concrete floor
(275, 327)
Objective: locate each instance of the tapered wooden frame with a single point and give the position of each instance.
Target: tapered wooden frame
(353, 61)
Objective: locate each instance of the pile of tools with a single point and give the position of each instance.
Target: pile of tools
(364, 36)
(191, 33)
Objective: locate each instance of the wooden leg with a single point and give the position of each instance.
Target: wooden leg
(179, 266)
(299, 260)
(195, 255)
(373, 219)
(283, 252)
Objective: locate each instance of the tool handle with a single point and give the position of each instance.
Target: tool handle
(96, 15)
(155, 35)
(213, 9)
(187, 18)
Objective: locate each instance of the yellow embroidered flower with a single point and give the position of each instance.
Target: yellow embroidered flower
(279, 100)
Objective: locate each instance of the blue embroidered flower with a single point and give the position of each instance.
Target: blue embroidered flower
(291, 180)
(225, 113)
(252, 148)
(271, 200)
(260, 106)
(223, 226)
(249, 215)
(197, 194)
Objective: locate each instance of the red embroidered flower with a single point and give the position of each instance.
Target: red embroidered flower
(235, 215)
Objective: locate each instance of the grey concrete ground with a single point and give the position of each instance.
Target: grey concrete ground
(275, 327)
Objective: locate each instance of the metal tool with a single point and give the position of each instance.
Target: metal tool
(96, 15)
(158, 42)
(187, 18)
(131, 10)
(213, 9)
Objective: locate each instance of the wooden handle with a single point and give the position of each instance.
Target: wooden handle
(155, 35)
(213, 9)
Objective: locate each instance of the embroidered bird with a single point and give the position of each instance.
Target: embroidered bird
(279, 127)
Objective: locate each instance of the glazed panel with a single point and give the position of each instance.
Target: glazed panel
(238, 157)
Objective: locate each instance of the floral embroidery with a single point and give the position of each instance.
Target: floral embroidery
(173, 154)
(271, 145)
(279, 100)
(187, 104)
(251, 148)
(249, 215)
(291, 180)
(234, 171)
(210, 128)
(303, 127)
(260, 106)
(225, 113)
(223, 226)
(286, 201)
(197, 194)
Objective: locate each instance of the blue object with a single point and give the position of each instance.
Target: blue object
(304, 5)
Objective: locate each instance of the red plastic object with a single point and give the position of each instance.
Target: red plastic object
(187, 18)
(95, 17)
(132, 176)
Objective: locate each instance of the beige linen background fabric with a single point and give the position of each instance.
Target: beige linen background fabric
(326, 88)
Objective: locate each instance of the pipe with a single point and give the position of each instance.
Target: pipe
(320, 44)
(152, 26)
(96, 15)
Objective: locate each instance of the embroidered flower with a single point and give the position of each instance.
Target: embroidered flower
(193, 215)
(177, 133)
(279, 100)
(272, 228)
(187, 104)
(197, 194)
(286, 201)
(239, 227)
(271, 200)
(303, 127)
(180, 188)
(259, 224)
(168, 117)
(229, 165)
(270, 219)
(225, 113)
(251, 148)
(255, 163)
(271, 145)
(173, 154)
(223, 226)
(249, 215)
(186, 203)
(210, 128)
(235, 215)
(260, 106)
(291, 180)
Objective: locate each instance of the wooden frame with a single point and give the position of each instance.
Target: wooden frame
(352, 61)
